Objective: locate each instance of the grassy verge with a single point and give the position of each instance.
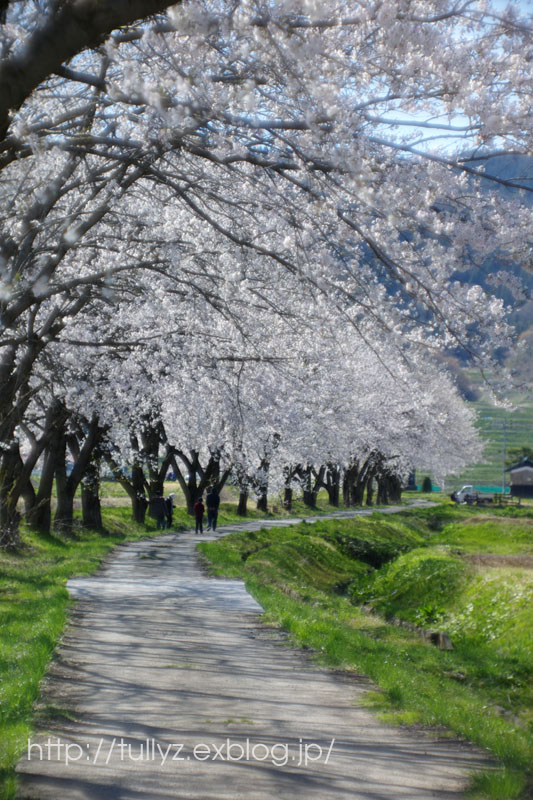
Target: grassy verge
(318, 582)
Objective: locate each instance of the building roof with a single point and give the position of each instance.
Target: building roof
(526, 462)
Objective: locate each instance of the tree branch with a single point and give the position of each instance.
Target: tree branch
(76, 27)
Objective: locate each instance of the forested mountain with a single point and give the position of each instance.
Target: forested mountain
(495, 271)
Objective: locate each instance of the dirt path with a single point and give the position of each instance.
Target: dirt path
(180, 692)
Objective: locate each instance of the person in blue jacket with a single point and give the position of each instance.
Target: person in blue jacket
(212, 502)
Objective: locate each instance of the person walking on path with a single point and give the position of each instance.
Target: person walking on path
(212, 501)
(157, 509)
(199, 509)
(169, 502)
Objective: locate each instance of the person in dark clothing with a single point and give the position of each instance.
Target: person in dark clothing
(212, 502)
(157, 509)
(169, 502)
(199, 509)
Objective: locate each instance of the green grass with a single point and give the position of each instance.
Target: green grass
(408, 566)
(490, 534)
(415, 586)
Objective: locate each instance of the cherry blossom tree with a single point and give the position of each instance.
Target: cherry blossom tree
(328, 151)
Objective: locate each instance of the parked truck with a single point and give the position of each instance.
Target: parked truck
(471, 496)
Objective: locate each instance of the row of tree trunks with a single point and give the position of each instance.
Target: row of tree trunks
(83, 442)
(15, 479)
(389, 489)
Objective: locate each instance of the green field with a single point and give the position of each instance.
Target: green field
(502, 430)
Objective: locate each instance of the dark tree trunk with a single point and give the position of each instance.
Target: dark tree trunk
(134, 487)
(64, 516)
(139, 503)
(333, 487)
(383, 495)
(309, 498)
(357, 491)
(16, 363)
(89, 433)
(396, 489)
(29, 498)
(9, 515)
(152, 436)
(350, 475)
(262, 487)
(393, 488)
(14, 484)
(90, 498)
(312, 482)
(262, 501)
(287, 498)
(289, 473)
(91, 508)
(41, 513)
(243, 500)
(369, 491)
(222, 479)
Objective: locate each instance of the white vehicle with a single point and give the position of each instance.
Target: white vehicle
(470, 495)
(462, 494)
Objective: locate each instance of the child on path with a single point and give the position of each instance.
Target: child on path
(199, 509)
(169, 502)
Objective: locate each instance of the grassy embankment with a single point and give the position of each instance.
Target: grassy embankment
(34, 602)
(333, 584)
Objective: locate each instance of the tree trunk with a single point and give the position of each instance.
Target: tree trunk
(41, 514)
(333, 478)
(82, 444)
(262, 501)
(350, 475)
(139, 503)
(9, 515)
(395, 489)
(357, 491)
(243, 500)
(261, 485)
(91, 508)
(309, 498)
(383, 496)
(64, 516)
(90, 498)
(287, 498)
(369, 491)
(313, 481)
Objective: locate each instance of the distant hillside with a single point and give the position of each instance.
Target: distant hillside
(501, 430)
(518, 169)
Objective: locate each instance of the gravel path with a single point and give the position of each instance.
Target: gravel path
(179, 691)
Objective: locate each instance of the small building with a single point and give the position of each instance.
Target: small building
(521, 478)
